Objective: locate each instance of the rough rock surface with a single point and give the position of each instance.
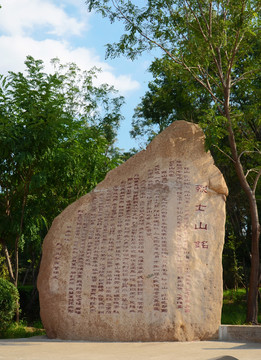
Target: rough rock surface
(139, 257)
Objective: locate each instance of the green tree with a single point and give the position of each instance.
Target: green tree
(56, 142)
(9, 298)
(172, 95)
(208, 39)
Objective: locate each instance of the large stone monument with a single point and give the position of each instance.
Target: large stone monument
(139, 257)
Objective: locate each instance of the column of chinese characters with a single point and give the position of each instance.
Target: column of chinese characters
(115, 234)
(80, 265)
(175, 172)
(90, 234)
(183, 197)
(133, 253)
(156, 241)
(95, 297)
(200, 208)
(106, 231)
(186, 220)
(90, 247)
(58, 251)
(164, 245)
(111, 235)
(72, 308)
(126, 247)
(140, 249)
(56, 264)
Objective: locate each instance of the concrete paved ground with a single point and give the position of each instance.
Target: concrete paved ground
(41, 348)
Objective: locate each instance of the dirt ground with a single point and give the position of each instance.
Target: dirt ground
(41, 348)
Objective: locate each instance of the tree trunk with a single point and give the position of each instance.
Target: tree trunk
(16, 273)
(13, 278)
(8, 262)
(252, 302)
(16, 259)
(26, 190)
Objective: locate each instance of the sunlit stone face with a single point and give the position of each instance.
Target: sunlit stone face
(139, 258)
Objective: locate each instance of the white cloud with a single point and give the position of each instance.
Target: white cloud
(20, 17)
(16, 49)
(42, 29)
(123, 83)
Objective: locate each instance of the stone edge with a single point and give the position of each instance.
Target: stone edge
(245, 333)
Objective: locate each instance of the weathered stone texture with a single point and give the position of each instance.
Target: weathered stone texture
(139, 258)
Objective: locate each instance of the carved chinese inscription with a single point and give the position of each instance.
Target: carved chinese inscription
(139, 258)
(110, 242)
(183, 194)
(202, 210)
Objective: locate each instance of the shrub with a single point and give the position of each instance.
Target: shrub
(8, 303)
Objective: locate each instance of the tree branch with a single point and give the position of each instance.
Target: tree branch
(236, 44)
(207, 39)
(247, 152)
(210, 19)
(201, 82)
(249, 171)
(203, 16)
(230, 158)
(206, 75)
(256, 181)
(235, 50)
(220, 66)
(174, 58)
(243, 76)
(197, 20)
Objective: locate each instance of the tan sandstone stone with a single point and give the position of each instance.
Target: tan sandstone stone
(139, 257)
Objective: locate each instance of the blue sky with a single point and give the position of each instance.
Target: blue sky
(50, 28)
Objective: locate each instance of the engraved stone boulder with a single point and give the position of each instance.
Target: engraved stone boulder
(139, 257)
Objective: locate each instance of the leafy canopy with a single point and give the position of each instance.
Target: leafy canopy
(204, 37)
(57, 134)
(8, 302)
(172, 95)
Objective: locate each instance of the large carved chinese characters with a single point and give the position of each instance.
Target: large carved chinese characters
(139, 258)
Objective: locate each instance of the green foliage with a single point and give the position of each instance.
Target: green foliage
(172, 25)
(233, 274)
(234, 307)
(172, 95)
(217, 43)
(3, 268)
(57, 134)
(21, 330)
(8, 303)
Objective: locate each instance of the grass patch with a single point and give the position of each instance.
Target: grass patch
(235, 307)
(21, 330)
